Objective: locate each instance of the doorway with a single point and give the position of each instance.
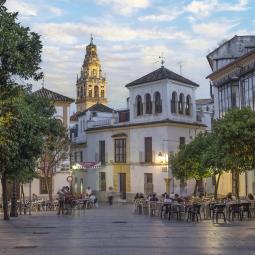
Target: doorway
(148, 183)
(122, 185)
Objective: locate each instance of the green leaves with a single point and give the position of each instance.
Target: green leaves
(20, 49)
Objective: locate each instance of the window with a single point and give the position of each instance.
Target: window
(139, 106)
(43, 186)
(102, 93)
(96, 91)
(148, 149)
(188, 105)
(181, 104)
(248, 90)
(102, 152)
(120, 150)
(90, 92)
(158, 103)
(182, 141)
(227, 97)
(148, 104)
(94, 72)
(81, 156)
(174, 102)
(75, 157)
(102, 181)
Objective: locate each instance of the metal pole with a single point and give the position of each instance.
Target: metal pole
(30, 200)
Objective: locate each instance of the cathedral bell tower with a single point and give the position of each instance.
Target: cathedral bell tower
(91, 85)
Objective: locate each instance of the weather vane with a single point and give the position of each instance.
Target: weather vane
(162, 60)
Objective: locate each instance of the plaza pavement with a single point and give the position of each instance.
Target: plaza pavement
(118, 231)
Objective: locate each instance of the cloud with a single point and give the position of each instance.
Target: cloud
(214, 29)
(207, 7)
(163, 15)
(68, 33)
(56, 11)
(125, 7)
(25, 9)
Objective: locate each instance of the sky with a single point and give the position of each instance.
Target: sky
(130, 36)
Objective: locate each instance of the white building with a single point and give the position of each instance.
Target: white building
(134, 148)
(205, 112)
(233, 79)
(62, 170)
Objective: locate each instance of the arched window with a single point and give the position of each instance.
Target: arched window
(158, 103)
(181, 103)
(148, 104)
(90, 92)
(188, 105)
(81, 91)
(174, 101)
(96, 91)
(102, 93)
(139, 105)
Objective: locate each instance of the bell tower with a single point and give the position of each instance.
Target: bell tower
(91, 84)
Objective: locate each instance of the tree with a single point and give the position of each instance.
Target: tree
(20, 56)
(20, 49)
(236, 134)
(55, 149)
(25, 131)
(215, 160)
(187, 163)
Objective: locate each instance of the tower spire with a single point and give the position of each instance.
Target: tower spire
(91, 39)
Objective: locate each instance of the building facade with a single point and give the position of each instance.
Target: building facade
(91, 83)
(233, 80)
(134, 146)
(62, 170)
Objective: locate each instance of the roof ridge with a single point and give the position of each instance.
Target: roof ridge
(160, 74)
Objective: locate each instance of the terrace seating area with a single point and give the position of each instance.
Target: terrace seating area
(193, 209)
(44, 205)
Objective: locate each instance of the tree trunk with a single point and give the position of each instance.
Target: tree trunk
(217, 186)
(195, 189)
(14, 211)
(4, 195)
(22, 199)
(235, 183)
(48, 181)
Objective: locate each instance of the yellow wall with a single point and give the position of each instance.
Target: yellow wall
(120, 168)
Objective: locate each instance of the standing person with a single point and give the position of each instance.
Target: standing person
(88, 192)
(61, 201)
(67, 200)
(110, 196)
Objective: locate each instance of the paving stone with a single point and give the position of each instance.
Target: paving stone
(117, 230)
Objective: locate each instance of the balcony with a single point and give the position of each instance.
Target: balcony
(101, 123)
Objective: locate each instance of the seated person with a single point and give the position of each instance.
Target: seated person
(229, 197)
(167, 200)
(137, 196)
(154, 198)
(93, 199)
(141, 195)
(250, 197)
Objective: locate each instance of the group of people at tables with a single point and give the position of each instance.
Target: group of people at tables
(176, 200)
(66, 199)
(164, 198)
